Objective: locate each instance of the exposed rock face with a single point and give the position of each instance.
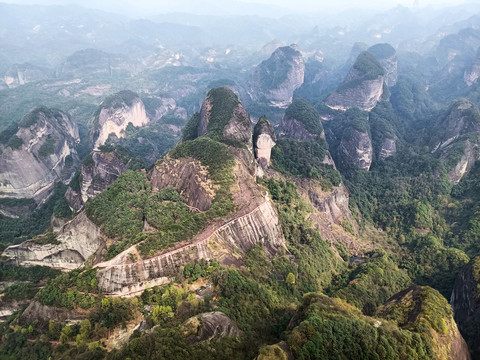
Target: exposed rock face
(255, 222)
(388, 148)
(96, 176)
(466, 305)
(223, 116)
(362, 87)
(275, 79)
(356, 149)
(41, 153)
(415, 304)
(263, 141)
(209, 327)
(302, 122)
(294, 129)
(157, 107)
(239, 128)
(78, 240)
(114, 115)
(94, 63)
(8, 308)
(456, 138)
(188, 177)
(225, 243)
(36, 311)
(332, 210)
(387, 57)
(20, 74)
(472, 73)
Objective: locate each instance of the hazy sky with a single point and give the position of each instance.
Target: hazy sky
(150, 7)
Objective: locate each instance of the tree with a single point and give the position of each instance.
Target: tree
(290, 280)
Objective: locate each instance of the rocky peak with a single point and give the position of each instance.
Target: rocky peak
(114, 115)
(99, 170)
(465, 302)
(40, 153)
(362, 87)
(350, 140)
(20, 74)
(387, 57)
(461, 117)
(224, 118)
(263, 141)
(424, 305)
(472, 73)
(302, 122)
(456, 138)
(275, 79)
(209, 327)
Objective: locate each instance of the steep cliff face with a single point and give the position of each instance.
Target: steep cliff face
(114, 115)
(472, 72)
(456, 138)
(96, 175)
(332, 211)
(188, 177)
(302, 122)
(228, 241)
(362, 87)
(263, 141)
(387, 57)
(465, 302)
(20, 74)
(275, 79)
(157, 107)
(425, 305)
(388, 148)
(356, 149)
(75, 242)
(41, 153)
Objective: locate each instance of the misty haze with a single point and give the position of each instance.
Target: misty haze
(241, 179)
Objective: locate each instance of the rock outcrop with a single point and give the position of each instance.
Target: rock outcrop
(362, 88)
(210, 326)
(301, 122)
(263, 141)
(224, 117)
(41, 152)
(425, 305)
(472, 73)
(387, 57)
(188, 177)
(21, 74)
(157, 107)
(456, 138)
(36, 311)
(76, 242)
(465, 302)
(388, 148)
(114, 115)
(225, 242)
(254, 220)
(102, 169)
(356, 149)
(275, 79)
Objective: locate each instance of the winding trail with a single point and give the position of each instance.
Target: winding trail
(203, 236)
